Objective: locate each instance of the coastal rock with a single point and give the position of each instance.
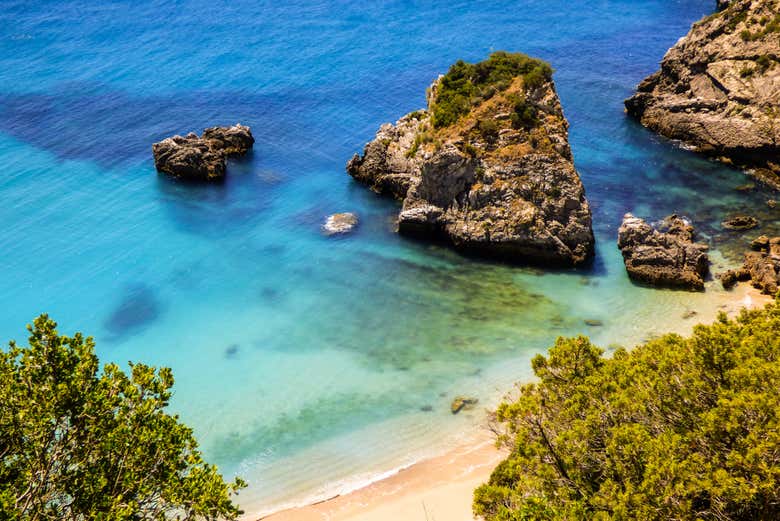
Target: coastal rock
(201, 158)
(718, 89)
(760, 243)
(665, 255)
(495, 177)
(340, 223)
(761, 266)
(461, 403)
(740, 222)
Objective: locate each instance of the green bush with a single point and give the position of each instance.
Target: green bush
(763, 63)
(678, 428)
(78, 442)
(767, 26)
(466, 84)
(524, 114)
(488, 129)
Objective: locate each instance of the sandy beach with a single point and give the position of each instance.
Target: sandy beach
(441, 488)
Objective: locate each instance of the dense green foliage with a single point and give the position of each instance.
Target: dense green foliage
(678, 428)
(78, 443)
(466, 84)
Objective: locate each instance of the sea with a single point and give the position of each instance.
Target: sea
(310, 364)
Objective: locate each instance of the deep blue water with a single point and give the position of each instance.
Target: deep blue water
(302, 361)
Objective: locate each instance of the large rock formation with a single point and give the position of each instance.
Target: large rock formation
(665, 255)
(761, 267)
(201, 158)
(487, 166)
(718, 89)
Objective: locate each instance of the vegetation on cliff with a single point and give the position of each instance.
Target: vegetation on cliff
(678, 428)
(77, 442)
(468, 84)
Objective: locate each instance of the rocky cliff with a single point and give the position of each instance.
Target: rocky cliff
(487, 166)
(718, 89)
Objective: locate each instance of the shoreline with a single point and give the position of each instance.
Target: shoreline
(441, 486)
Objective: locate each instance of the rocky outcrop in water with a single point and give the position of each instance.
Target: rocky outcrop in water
(740, 223)
(462, 403)
(665, 255)
(718, 89)
(761, 266)
(487, 166)
(201, 158)
(340, 223)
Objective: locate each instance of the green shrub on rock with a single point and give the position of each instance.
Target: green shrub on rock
(678, 428)
(466, 84)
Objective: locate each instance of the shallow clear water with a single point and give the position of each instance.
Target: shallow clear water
(304, 362)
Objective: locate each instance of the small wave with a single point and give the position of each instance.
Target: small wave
(335, 489)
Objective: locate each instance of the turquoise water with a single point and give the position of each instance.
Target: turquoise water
(305, 363)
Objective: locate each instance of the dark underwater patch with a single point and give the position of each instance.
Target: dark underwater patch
(138, 307)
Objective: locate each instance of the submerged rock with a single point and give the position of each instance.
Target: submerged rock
(740, 222)
(201, 158)
(761, 267)
(137, 308)
(494, 176)
(231, 351)
(339, 223)
(663, 256)
(461, 403)
(717, 90)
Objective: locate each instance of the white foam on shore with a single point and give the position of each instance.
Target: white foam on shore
(335, 489)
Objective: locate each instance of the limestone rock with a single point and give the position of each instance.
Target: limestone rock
(761, 266)
(461, 403)
(740, 222)
(498, 181)
(201, 158)
(340, 223)
(760, 243)
(663, 256)
(718, 89)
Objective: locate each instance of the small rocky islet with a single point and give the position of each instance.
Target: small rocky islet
(718, 89)
(486, 166)
(663, 255)
(202, 158)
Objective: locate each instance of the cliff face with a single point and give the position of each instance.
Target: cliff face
(718, 89)
(487, 166)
